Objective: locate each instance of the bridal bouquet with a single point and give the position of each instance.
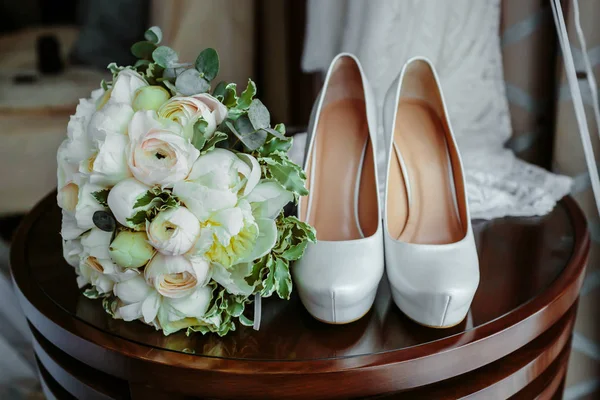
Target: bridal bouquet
(172, 194)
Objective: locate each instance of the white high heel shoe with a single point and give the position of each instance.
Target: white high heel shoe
(338, 276)
(430, 254)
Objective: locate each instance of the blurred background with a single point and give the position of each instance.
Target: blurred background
(53, 52)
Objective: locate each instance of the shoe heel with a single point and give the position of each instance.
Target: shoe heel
(339, 312)
(434, 310)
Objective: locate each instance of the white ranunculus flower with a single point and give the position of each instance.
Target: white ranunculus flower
(69, 228)
(113, 118)
(96, 242)
(176, 276)
(175, 314)
(216, 180)
(102, 273)
(268, 199)
(123, 88)
(110, 164)
(87, 205)
(187, 110)
(138, 300)
(72, 250)
(174, 231)
(158, 153)
(122, 198)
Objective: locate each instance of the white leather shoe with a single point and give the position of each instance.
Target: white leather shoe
(430, 255)
(338, 276)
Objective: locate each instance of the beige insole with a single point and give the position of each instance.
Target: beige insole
(432, 217)
(340, 139)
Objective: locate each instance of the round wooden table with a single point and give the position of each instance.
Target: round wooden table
(514, 342)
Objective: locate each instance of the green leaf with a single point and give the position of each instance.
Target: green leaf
(280, 128)
(92, 293)
(245, 320)
(104, 85)
(114, 69)
(294, 252)
(110, 304)
(275, 145)
(284, 171)
(153, 34)
(252, 140)
(219, 91)
(143, 50)
(199, 140)
(283, 279)
(101, 197)
(245, 99)
(307, 231)
(259, 115)
(230, 98)
(211, 143)
(144, 200)
(207, 64)
(165, 56)
(138, 218)
(190, 82)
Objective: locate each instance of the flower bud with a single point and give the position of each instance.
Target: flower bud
(131, 249)
(149, 98)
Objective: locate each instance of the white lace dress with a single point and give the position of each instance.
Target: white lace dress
(461, 38)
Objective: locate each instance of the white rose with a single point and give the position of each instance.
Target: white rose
(175, 314)
(87, 205)
(173, 231)
(96, 243)
(122, 198)
(113, 118)
(102, 273)
(69, 228)
(139, 301)
(123, 88)
(233, 236)
(187, 110)
(176, 276)
(158, 154)
(110, 164)
(268, 199)
(68, 196)
(72, 250)
(68, 166)
(216, 180)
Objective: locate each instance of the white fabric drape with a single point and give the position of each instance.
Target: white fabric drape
(18, 376)
(461, 38)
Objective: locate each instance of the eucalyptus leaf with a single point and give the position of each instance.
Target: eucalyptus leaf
(207, 64)
(165, 56)
(153, 34)
(190, 82)
(171, 73)
(143, 49)
(247, 95)
(243, 125)
(252, 141)
(259, 115)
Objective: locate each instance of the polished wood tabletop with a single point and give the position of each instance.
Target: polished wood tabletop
(514, 341)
